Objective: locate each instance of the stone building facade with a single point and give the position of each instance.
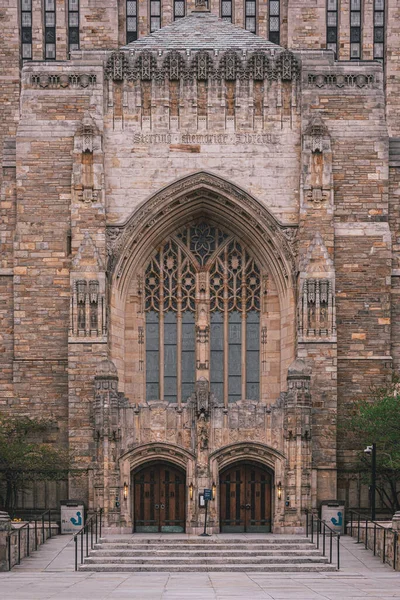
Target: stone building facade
(199, 252)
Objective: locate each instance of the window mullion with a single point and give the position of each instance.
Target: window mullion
(244, 379)
(226, 330)
(161, 325)
(179, 331)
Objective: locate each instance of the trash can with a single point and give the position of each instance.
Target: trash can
(332, 512)
(72, 516)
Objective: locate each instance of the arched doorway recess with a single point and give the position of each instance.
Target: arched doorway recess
(245, 491)
(159, 498)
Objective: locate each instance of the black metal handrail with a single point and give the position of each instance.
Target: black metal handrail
(16, 531)
(94, 521)
(386, 530)
(324, 530)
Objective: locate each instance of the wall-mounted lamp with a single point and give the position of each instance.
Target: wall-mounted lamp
(279, 490)
(191, 491)
(125, 490)
(214, 490)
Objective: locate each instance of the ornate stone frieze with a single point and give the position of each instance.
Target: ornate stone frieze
(339, 80)
(63, 80)
(204, 65)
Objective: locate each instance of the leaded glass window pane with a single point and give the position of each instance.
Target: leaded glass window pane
(131, 8)
(380, 5)
(235, 357)
(253, 355)
(179, 9)
(217, 355)
(332, 5)
(274, 8)
(26, 5)
(155, 9)
(332, 19)
(232, 287)
(226, 8)
(27, 51)
(26, 19)
(355, 5)
(274, 24)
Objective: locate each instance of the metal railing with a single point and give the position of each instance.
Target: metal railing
(361, 522)
(320, 530)
(44, 521)
(91, 528)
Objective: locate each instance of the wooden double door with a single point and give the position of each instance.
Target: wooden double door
(159, 499)
(245, 499)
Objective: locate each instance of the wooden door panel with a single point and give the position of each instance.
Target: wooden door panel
(159, 500)
(245, 499)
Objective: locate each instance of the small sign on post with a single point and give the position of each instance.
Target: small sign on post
(207, 495)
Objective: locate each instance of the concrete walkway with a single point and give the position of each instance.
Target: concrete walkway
(49, 574)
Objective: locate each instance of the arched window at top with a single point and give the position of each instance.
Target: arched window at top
(202, 313)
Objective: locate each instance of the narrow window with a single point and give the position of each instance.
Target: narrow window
(274, 21)
(250, 15)
(332, 26)
(379, 29)
(26, 29)
(73, 24)
(155, 15)
(179, 9)
(50, 29)
(226, 10)
(355, 29)
(131, 21)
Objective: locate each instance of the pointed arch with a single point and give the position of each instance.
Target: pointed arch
(201, 194)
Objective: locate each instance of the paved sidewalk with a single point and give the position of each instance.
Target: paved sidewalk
(49, 574)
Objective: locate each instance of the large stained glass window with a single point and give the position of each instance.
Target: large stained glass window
(202, 287)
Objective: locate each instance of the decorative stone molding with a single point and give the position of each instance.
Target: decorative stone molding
(204, 65)
(317, 182)
(317, 313)
(158, 451)
(87, 180)
(88, 309)
(246, 451)
(340, 80)
(210, 189)
(63, 80)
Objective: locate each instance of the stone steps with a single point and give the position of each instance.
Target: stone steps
(202, 553)
(264, 554)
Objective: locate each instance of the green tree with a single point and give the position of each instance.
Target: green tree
(377, 420)
(24, 457)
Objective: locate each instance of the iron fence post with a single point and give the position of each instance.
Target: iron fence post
(101, 515)
(351, 523)
(338, 551)
(330, 548)
(366, 534)
(374, 539)
(358, 530)
(27, 540)
(81, 545)
(43, 540)
(49, 523)
(395, 537)
(306, 523)
(76, 551)
(312, 528)
(323, 539)
(19, 546)
(35, 534)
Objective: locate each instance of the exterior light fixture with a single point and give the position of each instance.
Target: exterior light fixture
(214, 490)
(191, 491)
(279, 490)
(125, 490)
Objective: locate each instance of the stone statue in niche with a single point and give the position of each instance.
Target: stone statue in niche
(202, 398)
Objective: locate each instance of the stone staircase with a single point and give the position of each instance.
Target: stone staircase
(263, 554)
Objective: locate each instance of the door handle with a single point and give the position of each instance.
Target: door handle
(248, 506)
(162, 506)
(157, 506)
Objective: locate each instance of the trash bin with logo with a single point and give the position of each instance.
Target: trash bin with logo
(332, 512)
(72, 516)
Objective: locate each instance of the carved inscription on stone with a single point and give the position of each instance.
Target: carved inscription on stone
(252, 139)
